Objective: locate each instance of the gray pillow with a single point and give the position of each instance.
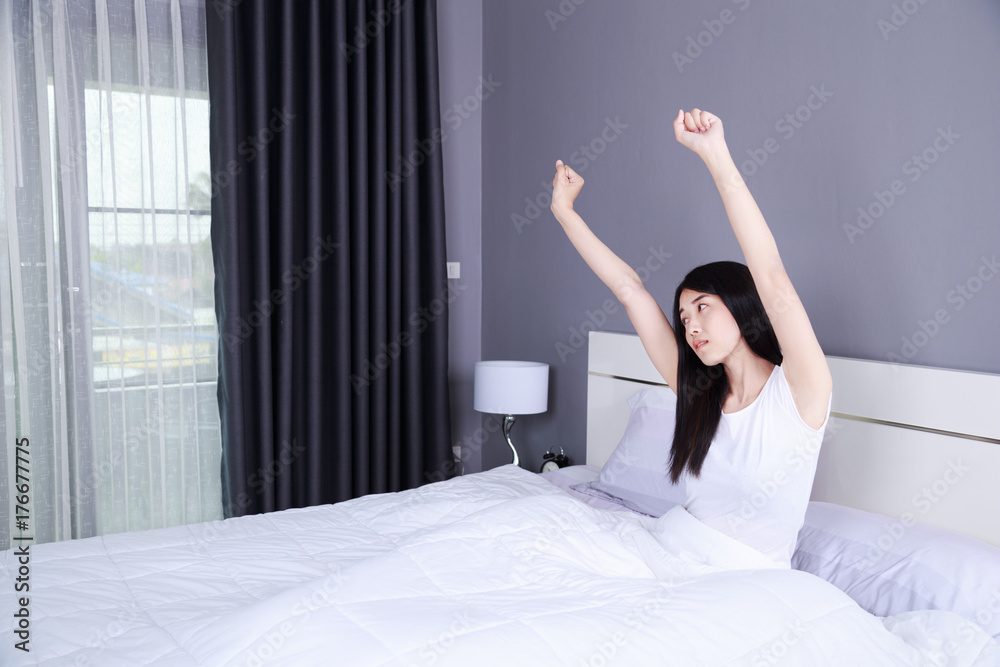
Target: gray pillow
(893, 565)
(635, 476)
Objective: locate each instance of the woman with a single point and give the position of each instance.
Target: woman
(750, 415)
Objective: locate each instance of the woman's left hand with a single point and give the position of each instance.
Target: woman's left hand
(701, 132)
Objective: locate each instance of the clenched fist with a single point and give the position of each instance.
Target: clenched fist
(566, 186)
(701, 132)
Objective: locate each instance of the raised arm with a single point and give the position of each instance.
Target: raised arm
(650, 323)
(804, 363)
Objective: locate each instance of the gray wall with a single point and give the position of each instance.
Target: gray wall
(460, 55)
(893, 94)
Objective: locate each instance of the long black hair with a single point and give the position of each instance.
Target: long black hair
(701, 389)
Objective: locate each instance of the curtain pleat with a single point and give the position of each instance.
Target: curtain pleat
(328, 239)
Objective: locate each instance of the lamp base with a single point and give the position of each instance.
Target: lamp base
(508, 423)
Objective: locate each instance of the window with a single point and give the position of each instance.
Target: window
(153, 316)
(108, 340)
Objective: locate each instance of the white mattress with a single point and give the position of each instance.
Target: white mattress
(499, 567)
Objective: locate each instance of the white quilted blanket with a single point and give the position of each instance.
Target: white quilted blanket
(497, 568)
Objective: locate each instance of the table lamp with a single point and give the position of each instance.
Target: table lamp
(511, 388)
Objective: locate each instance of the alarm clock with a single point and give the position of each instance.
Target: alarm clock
(552, 461)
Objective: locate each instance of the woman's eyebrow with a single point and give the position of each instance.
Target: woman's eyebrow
(693, 301)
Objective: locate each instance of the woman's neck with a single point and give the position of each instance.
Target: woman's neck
(747, 375)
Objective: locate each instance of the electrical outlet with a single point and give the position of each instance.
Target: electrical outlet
(454, 270)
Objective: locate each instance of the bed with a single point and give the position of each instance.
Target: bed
(508, 567)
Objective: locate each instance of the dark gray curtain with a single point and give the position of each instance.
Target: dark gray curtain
(329, 249)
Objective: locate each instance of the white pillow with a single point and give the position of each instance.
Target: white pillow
(889, 567)
(636, 475)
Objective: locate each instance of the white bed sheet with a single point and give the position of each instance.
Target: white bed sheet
(500, 567)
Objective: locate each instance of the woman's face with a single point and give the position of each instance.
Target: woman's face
(709, 328)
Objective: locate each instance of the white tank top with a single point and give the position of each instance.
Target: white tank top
(757, 477)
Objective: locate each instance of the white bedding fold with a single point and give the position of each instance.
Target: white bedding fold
(547, 581)
(495, 568)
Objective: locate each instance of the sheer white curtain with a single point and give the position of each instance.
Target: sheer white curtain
(109, 336)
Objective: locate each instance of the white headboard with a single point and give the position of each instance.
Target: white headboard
(901, 439)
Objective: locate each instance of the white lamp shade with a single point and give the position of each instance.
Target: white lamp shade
(511, 387)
